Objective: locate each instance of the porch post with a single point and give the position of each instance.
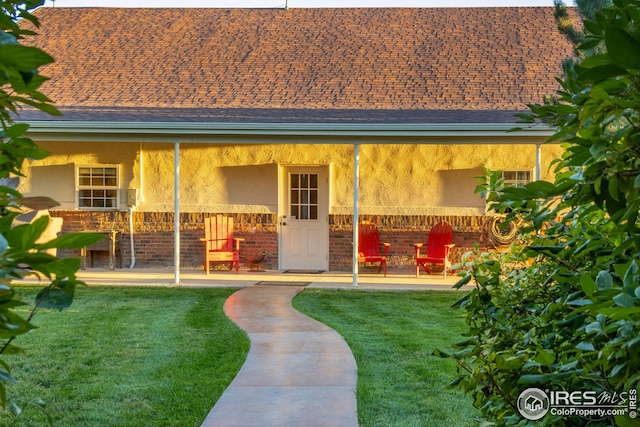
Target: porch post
(176, 213)
(538, 160)
(356, 213)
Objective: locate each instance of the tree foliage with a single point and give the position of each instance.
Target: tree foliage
(21, 251)
(561, 309)
(568, 25)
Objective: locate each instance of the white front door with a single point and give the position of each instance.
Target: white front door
(304, 218)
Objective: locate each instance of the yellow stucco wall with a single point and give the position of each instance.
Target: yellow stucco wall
(394, 179)
(55, 175)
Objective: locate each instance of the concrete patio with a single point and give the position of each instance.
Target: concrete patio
(198, 278)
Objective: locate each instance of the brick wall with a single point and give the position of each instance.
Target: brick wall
(153, 237)
(402, 232)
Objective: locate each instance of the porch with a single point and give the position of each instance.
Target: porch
(198, 278)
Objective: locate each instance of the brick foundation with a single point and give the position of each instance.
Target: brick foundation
(153, 237)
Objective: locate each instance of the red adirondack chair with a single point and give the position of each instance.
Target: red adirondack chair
(438, 247)
(369, 246)
(220, 245)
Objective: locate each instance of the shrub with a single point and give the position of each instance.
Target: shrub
(561, 309)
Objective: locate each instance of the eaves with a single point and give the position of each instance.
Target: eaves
(292, 133)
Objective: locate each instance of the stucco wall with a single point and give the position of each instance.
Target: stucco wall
(394, 179)
(54, 176)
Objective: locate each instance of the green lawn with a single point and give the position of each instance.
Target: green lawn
(392, 336)
(123, 356)
(129, 357)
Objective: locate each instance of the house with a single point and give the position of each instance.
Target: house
(289, 120)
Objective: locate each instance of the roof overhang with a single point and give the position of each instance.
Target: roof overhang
(265, 133)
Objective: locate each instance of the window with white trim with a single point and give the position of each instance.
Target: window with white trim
(98, 187)
(304, 196)
(516, 178)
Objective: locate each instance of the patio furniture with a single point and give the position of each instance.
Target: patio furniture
(220, 245)
(369, 246)
(438, 247)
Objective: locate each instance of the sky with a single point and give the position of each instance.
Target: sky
(298, 3)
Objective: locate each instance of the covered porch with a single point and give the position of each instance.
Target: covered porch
(181, 136)
(197, 278)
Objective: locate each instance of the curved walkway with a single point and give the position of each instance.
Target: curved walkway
(298, 372)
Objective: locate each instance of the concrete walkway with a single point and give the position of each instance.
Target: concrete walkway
(298, 372)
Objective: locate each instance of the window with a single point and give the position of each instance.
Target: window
(516, 178)
(98, 187)
(304, 196)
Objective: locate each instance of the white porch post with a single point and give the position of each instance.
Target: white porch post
(538, 160)
(176, 213)
(356, 213)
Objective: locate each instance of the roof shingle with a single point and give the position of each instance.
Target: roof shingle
(337, 60)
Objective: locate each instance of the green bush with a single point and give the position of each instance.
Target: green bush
(561, 309)
(21, 252)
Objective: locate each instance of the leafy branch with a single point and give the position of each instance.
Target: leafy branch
(22, 251)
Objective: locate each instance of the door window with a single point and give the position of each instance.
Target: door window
(304, 196)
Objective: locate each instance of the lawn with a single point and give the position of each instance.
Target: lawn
(392, 336)
(124, 356)
(129, 357)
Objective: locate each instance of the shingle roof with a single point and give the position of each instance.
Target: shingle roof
(370, 64)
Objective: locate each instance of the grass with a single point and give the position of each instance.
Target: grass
(392, 336)
(129, 357)
(124, 356)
